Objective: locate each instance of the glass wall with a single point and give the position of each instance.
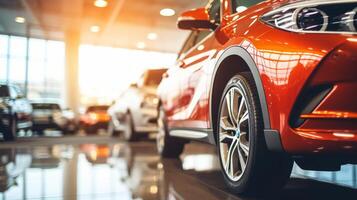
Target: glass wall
(42, 74)
(105, 72)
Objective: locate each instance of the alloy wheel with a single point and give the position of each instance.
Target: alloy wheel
(234, 133)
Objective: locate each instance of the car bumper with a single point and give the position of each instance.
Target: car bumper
(326, 122)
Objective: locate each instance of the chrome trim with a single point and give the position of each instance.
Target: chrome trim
(351, 17)
(309, 4)
(188, 134)
(305, 4)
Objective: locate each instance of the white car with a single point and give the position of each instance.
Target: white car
(50, 115)
(134, 113)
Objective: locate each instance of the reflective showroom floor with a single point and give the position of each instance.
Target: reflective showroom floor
(100, 168)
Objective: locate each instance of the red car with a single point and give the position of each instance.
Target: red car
(94, 118)
(267, 82)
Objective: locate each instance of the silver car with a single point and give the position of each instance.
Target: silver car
(134, 113)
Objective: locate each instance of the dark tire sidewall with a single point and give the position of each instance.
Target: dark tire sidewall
(129, 129)
(241, 185)
(11, 132)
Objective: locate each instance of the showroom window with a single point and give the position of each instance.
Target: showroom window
(46, 69)
(45, 73)
(17, 60)
(4, 40)
(101, 77)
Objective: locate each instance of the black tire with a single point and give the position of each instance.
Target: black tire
(129, 131)
(11, 131)
(90, 130)
(167, 146)
(265, 172)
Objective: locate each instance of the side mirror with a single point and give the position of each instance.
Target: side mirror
(195, 19)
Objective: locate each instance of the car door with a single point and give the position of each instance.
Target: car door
(169, 90)
(195, 66)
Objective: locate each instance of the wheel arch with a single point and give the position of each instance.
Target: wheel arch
(234, 60)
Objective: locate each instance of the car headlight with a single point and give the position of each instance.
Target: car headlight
(315, 16)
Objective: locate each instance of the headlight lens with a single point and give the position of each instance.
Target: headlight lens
(313, 17)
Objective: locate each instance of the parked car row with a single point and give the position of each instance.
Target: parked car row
(18, 113)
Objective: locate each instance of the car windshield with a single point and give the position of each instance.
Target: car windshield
(4, 91)
(97, 108)
(45, 106)
(154, 77)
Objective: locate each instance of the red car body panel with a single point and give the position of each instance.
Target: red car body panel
(287, 63)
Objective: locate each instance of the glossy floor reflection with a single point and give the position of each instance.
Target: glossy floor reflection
(105, 168)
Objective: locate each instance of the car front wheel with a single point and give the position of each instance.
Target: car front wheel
(247, 165)
(167, 146)
(11, 131)
(129, 130)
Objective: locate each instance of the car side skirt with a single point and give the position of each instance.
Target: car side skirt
(272, 137)
(203, 135)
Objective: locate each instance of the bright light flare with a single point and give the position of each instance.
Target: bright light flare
(20, 20)
(167, 12)
(152, 36)
(95, 29)
(100, 3)
(141, 45)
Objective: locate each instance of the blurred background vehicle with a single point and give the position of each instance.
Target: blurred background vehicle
(96, 153)
(135, 111)
(12, 164)
(15, 111)
(50, 115)
(94, 118)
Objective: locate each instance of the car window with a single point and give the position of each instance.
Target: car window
(154, 77)
(189, 43)
(97, 108)
(45, 106)
(194, 38)
(13, 93)
(214, 11)
(201, 35)
(4, 91)
(241, 5)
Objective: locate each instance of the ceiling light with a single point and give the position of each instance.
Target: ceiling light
(152, 36)
(20, 20)
(141, 45)
(95, 29)
(100, 3)
(167, 12)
